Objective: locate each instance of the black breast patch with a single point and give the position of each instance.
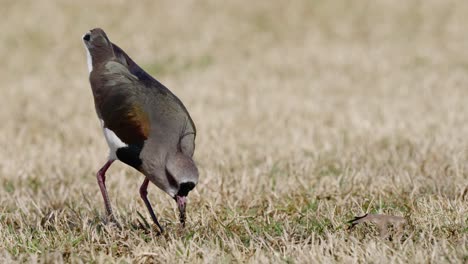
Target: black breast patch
(130, 155)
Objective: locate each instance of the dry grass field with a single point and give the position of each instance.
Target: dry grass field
(309, 113)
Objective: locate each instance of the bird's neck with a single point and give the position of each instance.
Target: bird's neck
(96, 58)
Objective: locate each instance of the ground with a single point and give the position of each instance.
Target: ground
(309, 113)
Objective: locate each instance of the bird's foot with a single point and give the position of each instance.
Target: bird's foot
(112, 222)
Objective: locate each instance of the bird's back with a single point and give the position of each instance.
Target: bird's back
(147, 79)
(161, 99)
(141, 113)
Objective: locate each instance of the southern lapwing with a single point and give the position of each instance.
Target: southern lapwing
(145, 125)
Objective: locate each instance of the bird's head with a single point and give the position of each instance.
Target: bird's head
(98, 46)
(182, 177)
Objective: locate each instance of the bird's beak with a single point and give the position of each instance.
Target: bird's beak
(181, 203)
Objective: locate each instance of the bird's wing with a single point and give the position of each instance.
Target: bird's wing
(136, 70)
(151, 82)
(187, 136)
(118, 106)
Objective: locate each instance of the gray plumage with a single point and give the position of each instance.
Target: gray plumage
(146, 125)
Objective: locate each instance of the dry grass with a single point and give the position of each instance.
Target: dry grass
(309, 113)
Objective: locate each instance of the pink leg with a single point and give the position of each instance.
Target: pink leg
(144, 196)
(101, 177)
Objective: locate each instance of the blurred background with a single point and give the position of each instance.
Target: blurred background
(263, 80)
(289, 98)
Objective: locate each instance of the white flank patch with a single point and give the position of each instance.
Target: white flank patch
(113, 141)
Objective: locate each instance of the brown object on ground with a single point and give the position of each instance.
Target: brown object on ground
(382, 221)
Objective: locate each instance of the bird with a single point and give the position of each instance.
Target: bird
(145, 125)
